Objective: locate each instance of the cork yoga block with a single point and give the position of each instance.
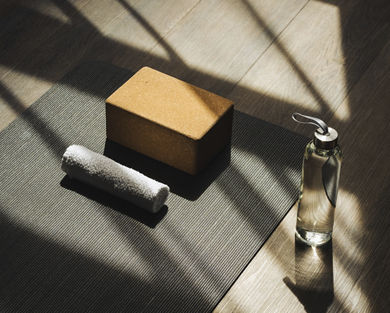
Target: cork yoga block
(169, 120)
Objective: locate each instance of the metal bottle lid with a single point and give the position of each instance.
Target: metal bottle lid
(325, 141)
(324, 137)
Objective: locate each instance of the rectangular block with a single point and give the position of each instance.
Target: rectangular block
(169, 120)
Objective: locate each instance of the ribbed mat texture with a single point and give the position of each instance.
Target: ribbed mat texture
(66, 247)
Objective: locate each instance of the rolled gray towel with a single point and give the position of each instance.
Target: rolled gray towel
(102, 172)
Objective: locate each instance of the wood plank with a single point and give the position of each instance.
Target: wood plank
(70, 44)
(26, 26)
(49, 58)
(315, 61)
(216, 44)
(127, 41)
(276, 281)
(364, 224)
(92, 43)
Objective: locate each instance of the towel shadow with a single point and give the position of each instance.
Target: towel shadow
(185, 185)
(149, 219)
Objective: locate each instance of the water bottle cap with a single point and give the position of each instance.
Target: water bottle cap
(325, 141)
(324, 137)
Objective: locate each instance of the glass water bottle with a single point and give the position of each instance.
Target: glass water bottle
(319, 183)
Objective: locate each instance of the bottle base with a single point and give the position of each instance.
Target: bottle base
(312, 238)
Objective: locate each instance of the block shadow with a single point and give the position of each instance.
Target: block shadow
(185, 185)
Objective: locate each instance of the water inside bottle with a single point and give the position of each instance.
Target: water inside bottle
(318, 195)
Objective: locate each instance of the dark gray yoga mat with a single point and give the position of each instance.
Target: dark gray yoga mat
(66, 247)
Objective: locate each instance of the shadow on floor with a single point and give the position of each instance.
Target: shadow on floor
(313, 277)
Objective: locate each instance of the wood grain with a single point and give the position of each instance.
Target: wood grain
(216, 44)
(314, 63)
(272, 57)
(359, 268)
(35, 72)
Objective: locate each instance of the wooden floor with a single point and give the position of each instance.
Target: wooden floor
(328, 58)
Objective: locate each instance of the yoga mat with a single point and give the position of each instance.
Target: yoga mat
(67, 247)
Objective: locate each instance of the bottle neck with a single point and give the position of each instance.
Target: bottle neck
(323, 152)
(324, 145)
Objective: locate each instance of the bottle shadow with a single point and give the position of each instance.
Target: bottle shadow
(313, 276)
